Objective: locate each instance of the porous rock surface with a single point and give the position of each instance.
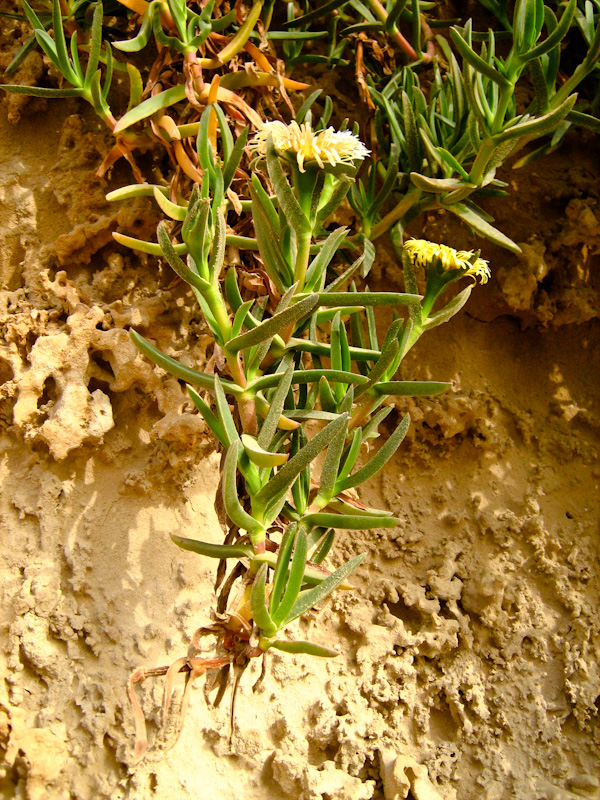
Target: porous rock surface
(469, 661)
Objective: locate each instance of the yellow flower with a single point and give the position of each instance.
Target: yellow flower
(423, 253)
(305, 145)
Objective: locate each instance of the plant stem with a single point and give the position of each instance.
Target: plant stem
(408, 201)
(402, 43)
(302, 258)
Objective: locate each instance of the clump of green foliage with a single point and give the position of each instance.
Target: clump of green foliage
(304, 380)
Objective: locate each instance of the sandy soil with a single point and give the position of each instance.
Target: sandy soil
(470, 663)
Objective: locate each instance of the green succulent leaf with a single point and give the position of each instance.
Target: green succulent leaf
(317, 270)
(180, 371)
(348, 522)
(338, 194)
(176, 264)
(266, 330)
(555, 37)
(310, 598)
(311, 376)
(462, 45)
(385, 361)
(375, 299)
(258, 603)
(286, 476)
(331, 464)
(342, 507)
(274, 260)
(295, 579)
(269, 426)
(378, 460)
(449, 310)
(211, 420)
(437, 185)
(236, 513)
(350, 458)
(150, 106)
(539, 126)
(472, 216)
(287, 200)
(232, 161)
(282, 566)
(259, 456)
(309, 648)
(213, 550)
(39, 91)
(229, 429)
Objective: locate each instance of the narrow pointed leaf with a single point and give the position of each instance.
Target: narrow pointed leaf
(95, 44)
(378, 460)
(269, 426)
(370, 429)
(208, 416)
(282, 566)
(232, 292)
(217, 257)
(225, 418)
(176, 264)
(341, 507)
(236, 513)
(256, 354)
(295, 578)
(258, 603)
(282, 481)
(287, 200)
(313, 596)
(61, 44)
(240, 317)
(345, 276)
(329, 473)
(226, 137)
(469, 215)
(348, 522)
(539, 126)
(268, 237)
(213, 550)
(436, 185)
(352, 455)
(393, 299)
(150, 106)
(385, 360)
(322, 550)
(314, 573)
(476, 61)
(553, 38)
(180, 371)
(232, 161)
(309, 648)
(40, 91)
(413, 141)
(340, 191)
(146, 247)
(315, 275)
(266, 330)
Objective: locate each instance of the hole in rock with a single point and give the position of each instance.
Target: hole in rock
(106, 371)
(49, 393)
(410, 616)
(6, 372)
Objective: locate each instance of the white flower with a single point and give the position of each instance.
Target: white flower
(423, 253)
(303, 144)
